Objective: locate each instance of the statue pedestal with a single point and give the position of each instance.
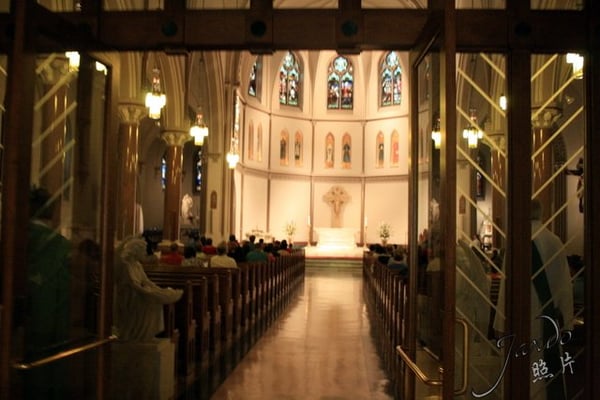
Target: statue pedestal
(143, 370)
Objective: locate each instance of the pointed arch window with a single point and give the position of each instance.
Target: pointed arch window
(198, 169)
(289, 81)
(255, 81)
(163, 171)
(391, 80)
(340, 84)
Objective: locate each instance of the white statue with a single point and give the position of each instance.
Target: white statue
(138, 301)
(187, 208)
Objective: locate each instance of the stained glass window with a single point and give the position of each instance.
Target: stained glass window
(254, 84)
(289, 81)
(198, 169)
(391, 80)
(163, 171)
(340, 84)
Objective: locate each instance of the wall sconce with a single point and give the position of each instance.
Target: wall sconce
(155, 99)
(576, 61)
(436, 134)
(199, 130)
(472, 132)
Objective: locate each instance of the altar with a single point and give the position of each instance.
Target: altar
(335, 243)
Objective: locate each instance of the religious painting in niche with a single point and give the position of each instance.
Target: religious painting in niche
(283, 148)
(380, 149)
(391, 80)
(250, 141)
(289, 81)
(340, 84)
(254, 83)
(198, 169)
(424, 81)
(329, 149)
(298, 149)
(394, 149)
(346, 151)
(259, 142)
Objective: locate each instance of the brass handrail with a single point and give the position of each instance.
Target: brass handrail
(415, 368)
(438, 382)
(24, 366)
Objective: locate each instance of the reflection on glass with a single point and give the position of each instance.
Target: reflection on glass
(557, 214)
(489, 5)
(59, 308)
(480, 217)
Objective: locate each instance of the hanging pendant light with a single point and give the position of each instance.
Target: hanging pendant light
(472, 133)
(199, 130)
(155, 99)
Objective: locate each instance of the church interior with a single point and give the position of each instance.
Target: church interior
(423, 159)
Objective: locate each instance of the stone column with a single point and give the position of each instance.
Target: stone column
(174, 157)
(130, 115)
(543, 128)
(498, 175)
(54, 129)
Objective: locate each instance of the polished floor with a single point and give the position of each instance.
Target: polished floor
(320, 347)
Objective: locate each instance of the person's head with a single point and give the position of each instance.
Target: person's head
(232, 238)
(173, 247)
(536, 210)
(189, 252)
(39, 203)
(251, 238)
(209, 241)
(133, 248)
(222, 248)
(283, 245)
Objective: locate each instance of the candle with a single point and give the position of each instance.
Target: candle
(366, 222)
(309, 220)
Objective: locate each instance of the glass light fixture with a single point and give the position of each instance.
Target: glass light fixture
(155, 99)
(472, 132)
(436, 134)
(74, 59)
(232, 156)
(199, 130)
(503, 102)
(576, 61)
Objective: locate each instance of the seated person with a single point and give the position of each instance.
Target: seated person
(189, 257)
(208, 248)
(257, 254)
(222, 260)
(397, 263)
(172, 257)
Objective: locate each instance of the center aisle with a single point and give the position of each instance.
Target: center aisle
(319, 348)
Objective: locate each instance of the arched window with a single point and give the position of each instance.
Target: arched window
(198, 169)
(289, 81)
(163, 171)
(340, 84)
(255, 81)
(391, 80)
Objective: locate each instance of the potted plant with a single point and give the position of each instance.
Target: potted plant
(290, 230)
(385, 231)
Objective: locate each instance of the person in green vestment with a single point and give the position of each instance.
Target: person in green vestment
(47, 305)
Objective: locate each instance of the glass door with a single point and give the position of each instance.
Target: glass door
(59, 296)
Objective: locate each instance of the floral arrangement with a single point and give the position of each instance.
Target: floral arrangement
(385, 231)
(290, 228)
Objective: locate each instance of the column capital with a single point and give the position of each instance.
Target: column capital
(131, 113)
(175, 138)
(545, 118)
(54, 70)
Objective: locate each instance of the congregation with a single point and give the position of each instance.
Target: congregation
(200, 251)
